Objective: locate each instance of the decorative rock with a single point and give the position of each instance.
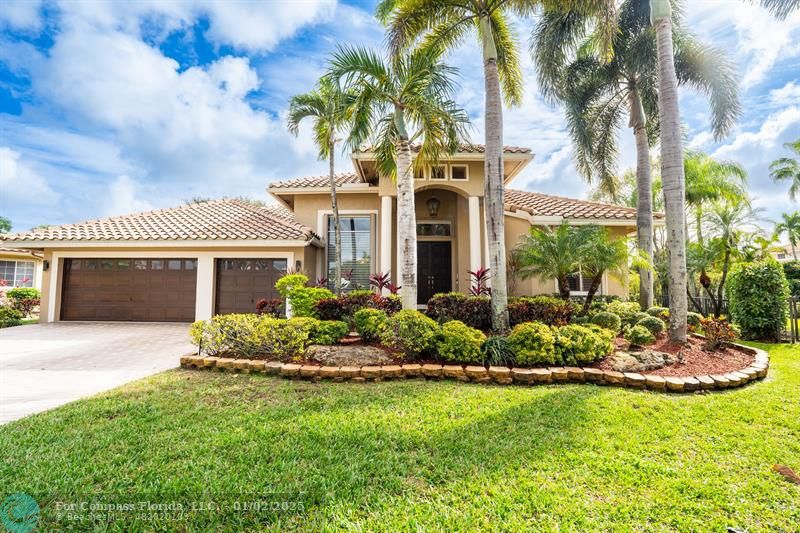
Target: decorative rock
(309, 371)
(391, 371)
(256, 366)
(634, 380)
(290, 370)
(762, 357)
(575, 374)
(742, 376)
(412, 370)
(350, 372)
(559, 373)
(593, 375)
(751, 373)
(762, 371)
(210, 362)
(242, 365)
(370, 372)
(655, 382)
(674, 384)
(476, 373)
(329, 372)
(432, 371)
(706, 382)
(720, 381)
(542, 375)
(453, 371)
(690, 384)
(500, 374)
(522, 375)
(273, 367)
(734, 379)
(613, 377)
(348, 355)
(358, 379)
(225, 363)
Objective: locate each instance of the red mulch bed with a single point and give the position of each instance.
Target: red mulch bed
(696, 360)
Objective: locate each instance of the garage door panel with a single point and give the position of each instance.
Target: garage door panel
(129, 289)
(240, 283)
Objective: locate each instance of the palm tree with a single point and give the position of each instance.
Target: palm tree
(788, 169)
(791, 226)
(327, 105)
(405, 100)
(598, 93)
(601, 254)
(548, 254)
(708, 179)
(780, 8)
(443, 25)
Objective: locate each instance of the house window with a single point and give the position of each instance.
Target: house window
(17, 273)
(356, 234)
(459, 172)
(781, 256)
(579, 283)
(419, 174)
(433, 229)
(438, 172)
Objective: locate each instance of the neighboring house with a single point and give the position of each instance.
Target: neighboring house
(20, 268)
(222, 256)
(783, 253)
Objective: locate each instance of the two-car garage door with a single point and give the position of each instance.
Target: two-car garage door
(161, 290)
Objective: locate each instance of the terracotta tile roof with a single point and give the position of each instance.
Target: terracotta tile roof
(20, 251)
(225, 219)
(277, 210)
(547, 205)
(343, 178)
(468, 149)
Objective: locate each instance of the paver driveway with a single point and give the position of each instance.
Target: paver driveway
(46, 365)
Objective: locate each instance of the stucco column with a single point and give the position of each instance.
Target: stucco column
(204, 297)
(386, 238)
(474, 204)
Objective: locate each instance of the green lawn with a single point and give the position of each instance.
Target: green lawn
(416, 455)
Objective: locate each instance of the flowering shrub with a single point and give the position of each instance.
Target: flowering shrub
(579, 344)
(410, 332)
(639, 336)
(718, 332)
(369, 323)
(547, 309)
(533, 344)
(460, 343)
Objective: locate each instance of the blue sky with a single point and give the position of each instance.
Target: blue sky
(108, 108)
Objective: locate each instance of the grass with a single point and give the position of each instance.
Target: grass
(414, 455)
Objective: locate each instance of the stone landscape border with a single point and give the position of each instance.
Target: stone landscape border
(494, 374)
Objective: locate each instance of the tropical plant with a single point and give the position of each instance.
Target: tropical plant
(601, 254)
(717, 332)
(552, 254)
(403, 100)
(5, 225)
(380, 281)
(496, 351)
(790, 225)
(788, 169)
(443, 25)
(780, 8)
(328, 106)
(598, 93)
(479, 282)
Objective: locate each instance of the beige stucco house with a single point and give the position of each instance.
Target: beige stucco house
(20, 268)
(196, 260)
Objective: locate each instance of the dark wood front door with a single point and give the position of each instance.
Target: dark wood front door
(434, 269)
(241, 283)
(143, 290)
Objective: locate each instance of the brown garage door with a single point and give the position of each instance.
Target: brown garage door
(143, 290)
(241, 283)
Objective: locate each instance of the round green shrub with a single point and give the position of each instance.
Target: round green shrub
(693, 320)
(626, 311)
(758, 296)
(497, 351)
(328, 332)
(460, 343)
(251, 336)
(639, 336)
(580, 320)
(369, 323)
(654, 325)
(9, 316)
(576, 344)
(533, 343)
(608, 320)
(410, 332)
(636, 318)
(659, 312)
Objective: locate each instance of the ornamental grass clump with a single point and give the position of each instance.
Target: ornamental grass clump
(496, 351)
(533, 344)
(410, 332)
(460, 343)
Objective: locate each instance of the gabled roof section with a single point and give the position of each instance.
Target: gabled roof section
(538, 204)
(343, 178)
(20, 251)
(215, 220)
(463, 149)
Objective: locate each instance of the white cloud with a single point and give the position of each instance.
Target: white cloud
(19, 182)
(123, 198)
(789, 94)
(21, 14)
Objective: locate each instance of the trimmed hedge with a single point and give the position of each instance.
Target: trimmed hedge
(608, 320)
(639, 336)
(654, 325)
(409, 332)
(576, 344)
(758, 296)
(533, 344)
(460, 343)
(347, 305)
(369, 323)
(474, 311)
(546, 309)
(251, 336)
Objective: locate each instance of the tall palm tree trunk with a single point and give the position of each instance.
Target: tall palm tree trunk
(493, 181)
(671, 169)
(644, 197)
(337, 230)
(406, 218)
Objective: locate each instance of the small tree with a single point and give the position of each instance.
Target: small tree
(552, 254)
(602, 253)
(758, 294)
